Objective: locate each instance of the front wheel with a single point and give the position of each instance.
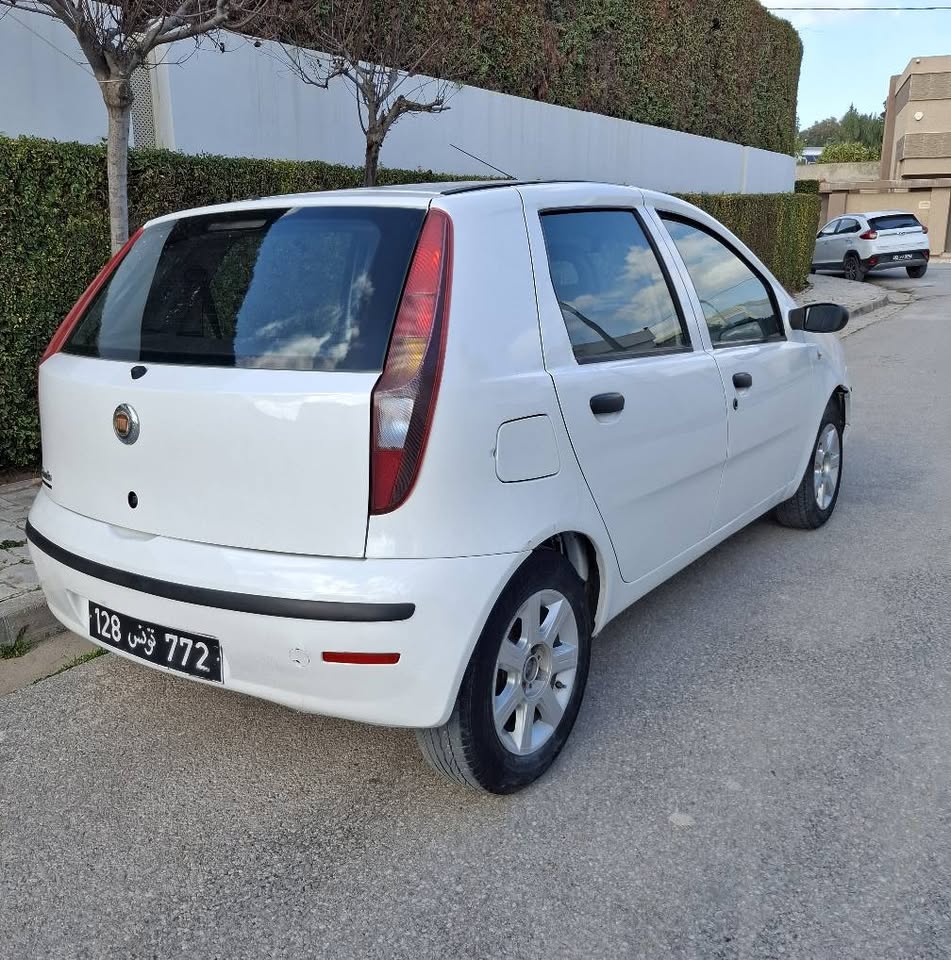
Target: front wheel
(523, 687)
(916, 273)
(813, 502)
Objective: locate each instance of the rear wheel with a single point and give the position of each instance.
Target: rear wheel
(523, 687)
(813, 502)
(853, 267)
(916, 273)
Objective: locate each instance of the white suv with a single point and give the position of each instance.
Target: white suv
(859, 243)
(397, 454)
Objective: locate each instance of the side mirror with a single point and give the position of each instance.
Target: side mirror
(819, 318)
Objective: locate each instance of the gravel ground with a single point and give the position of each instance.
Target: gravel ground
(760, 769)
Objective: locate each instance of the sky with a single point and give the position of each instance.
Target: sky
(849, 56)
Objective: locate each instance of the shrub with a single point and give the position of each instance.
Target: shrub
(54, 234)
(807, 186)
(780, 228)
(727, 70)
(848, 153)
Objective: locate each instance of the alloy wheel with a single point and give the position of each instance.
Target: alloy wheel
(825, 466)
(535, 672)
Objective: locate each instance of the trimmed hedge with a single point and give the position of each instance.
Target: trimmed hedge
(727, 69)
(807, 186)
(780, 228)
(54, 237)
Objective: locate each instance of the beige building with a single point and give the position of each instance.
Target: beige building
(917, 142)
(915, 170)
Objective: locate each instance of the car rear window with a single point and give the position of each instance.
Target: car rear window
(894, 221)
(307, 288)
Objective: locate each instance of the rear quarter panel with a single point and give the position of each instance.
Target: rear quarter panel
(493, 373)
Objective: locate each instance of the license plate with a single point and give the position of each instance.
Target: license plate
(198, 656)
(903, 256)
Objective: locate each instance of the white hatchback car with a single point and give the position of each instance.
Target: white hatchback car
(858, 243)
(397, 454)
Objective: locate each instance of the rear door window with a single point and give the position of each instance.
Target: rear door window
(895, 221)
(614, 295)
(848, 226)
(310, 288)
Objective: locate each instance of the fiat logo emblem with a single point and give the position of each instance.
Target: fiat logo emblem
(125, 422)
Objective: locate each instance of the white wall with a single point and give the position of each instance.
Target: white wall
(43, 91)
(246, 102)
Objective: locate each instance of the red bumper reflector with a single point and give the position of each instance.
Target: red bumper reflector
(334, 656)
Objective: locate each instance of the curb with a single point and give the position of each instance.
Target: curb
(869, 306)
(27, 618)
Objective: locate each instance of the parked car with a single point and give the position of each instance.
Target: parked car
(397, 454)
(859, 243)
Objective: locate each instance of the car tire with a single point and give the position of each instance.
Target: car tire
(917, 272)
(853, 268)
(517, 703)
(815, 498)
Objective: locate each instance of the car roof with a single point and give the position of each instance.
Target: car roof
(404, 194)
(888, 213)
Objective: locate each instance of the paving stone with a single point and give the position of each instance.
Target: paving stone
(19, 577)
(11, 531)
(19, 485)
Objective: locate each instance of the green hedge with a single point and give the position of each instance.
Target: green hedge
(54, 237)
(780, 228)
(720, 68)
(807, 186)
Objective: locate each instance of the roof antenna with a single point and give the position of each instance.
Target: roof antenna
(507, 176)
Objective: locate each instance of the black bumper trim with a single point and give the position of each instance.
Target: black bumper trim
(917, 259)
(340, 611)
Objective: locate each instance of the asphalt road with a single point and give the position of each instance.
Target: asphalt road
(761, 767)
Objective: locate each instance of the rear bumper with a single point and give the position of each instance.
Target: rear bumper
(887, 261)
(277, 614)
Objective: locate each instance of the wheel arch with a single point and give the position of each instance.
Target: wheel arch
(589, 562)
(842, 397)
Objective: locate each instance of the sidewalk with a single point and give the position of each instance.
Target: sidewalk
(858, 298)
(24, 617)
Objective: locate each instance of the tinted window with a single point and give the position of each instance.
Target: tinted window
(290, 289)
(848, 226)
(894, 221)
(613, 294)
(736, 303)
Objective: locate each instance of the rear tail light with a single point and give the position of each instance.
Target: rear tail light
(404, 397)
(79, 308)
(868, 235)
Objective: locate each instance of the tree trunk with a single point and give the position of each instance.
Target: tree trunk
(371, 161)
(117, 94)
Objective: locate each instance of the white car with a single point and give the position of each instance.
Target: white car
(858, 243)
(397, 454)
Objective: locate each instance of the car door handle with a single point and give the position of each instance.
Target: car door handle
(742, 381)
(602, 403)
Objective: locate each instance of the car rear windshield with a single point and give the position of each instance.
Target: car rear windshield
(894, 221)
(308, 288)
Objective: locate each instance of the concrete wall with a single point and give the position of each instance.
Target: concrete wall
(246, 102)
(838, 171)
(48, 89)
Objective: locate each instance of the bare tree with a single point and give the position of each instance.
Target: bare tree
(380, 48)
(116, 38)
